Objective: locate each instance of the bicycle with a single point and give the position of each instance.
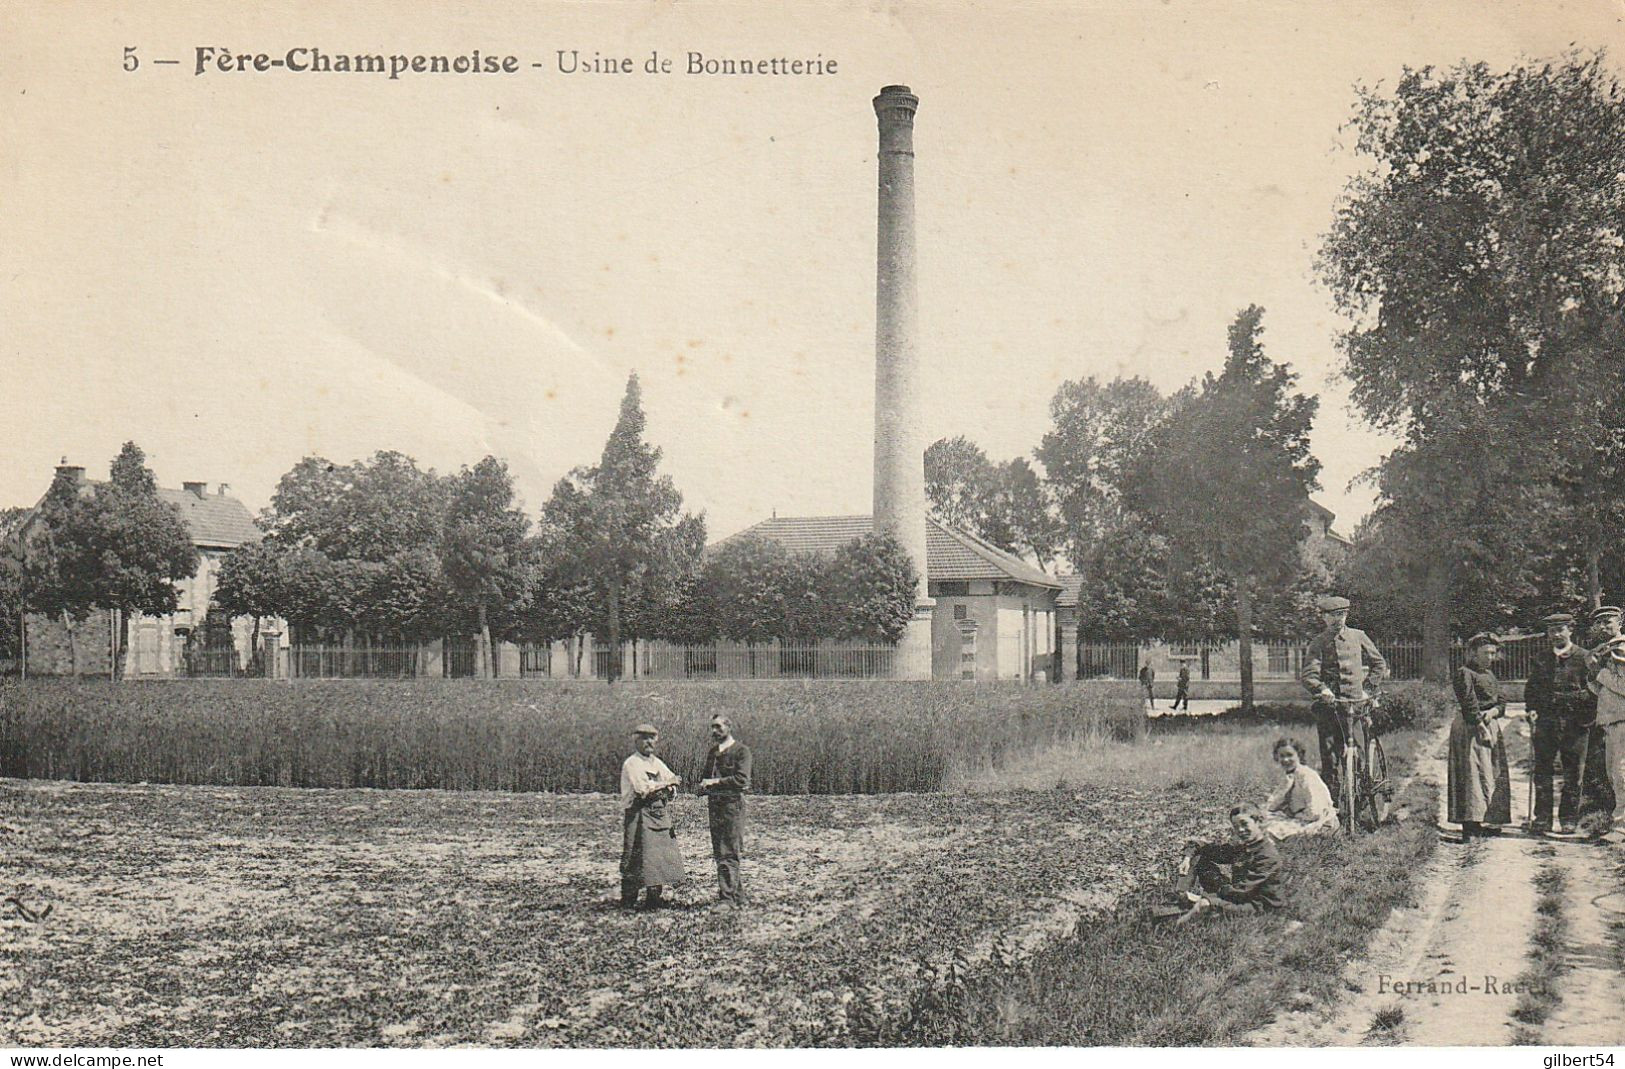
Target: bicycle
(1363, 772)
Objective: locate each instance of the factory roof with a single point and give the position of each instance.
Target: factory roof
(950, 554)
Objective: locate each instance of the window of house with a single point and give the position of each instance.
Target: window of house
(960, 612)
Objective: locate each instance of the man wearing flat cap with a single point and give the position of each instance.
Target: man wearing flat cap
(1341, 663)
(1558, 697)
(649, 855)
(1605, 626)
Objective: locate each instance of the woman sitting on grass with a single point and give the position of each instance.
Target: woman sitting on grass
(1303, 805)
(1243, 876)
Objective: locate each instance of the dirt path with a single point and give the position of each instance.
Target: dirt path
(1443, 972)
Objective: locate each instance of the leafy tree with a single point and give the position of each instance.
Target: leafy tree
(871, 584)
(1004, 504)
(484, 549)
(11, 583)
(617, 515)
(1141, 587)
(115, 545)
(1097, 431)
(1481, 261)
(248, 583)
(655, 598)
(368, 510)
(1228, 481)
(957, 473)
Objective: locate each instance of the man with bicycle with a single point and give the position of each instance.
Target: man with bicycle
(1342, 664)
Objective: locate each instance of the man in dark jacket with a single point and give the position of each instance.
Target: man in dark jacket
(1562, 708)
(1243, 876)
(726, 779)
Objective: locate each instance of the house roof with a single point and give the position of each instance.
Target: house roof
(950, 554)
(216, 521)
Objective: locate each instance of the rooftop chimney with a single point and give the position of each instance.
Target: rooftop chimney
(195, 489)
(73, 471)
(222, 491)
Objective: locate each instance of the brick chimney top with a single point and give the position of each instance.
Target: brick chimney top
(195, 489)
(75, 471)
(222, 490)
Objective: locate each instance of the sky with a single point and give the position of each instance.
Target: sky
(237, 270)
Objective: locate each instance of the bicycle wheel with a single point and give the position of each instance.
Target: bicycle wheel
(1349, 791)
(1376, 775)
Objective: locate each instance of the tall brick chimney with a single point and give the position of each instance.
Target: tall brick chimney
(899, 504)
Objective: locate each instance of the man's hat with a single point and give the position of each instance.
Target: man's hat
(1332, 603)
(645, 729)
(1605, 611)
(1559, 619)
(1483, 638)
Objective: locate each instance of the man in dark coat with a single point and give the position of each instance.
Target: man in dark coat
(1182, 686)
(1341, 662)
(1243, 876)
(726, 779)
(1563, 709)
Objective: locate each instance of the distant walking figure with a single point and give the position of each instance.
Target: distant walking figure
(1148, 676)
(1182, 687)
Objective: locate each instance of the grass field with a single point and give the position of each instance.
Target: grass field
(512, 735)
(1009, 909)
(203, 916)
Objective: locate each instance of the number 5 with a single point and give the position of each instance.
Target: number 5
(130, 62)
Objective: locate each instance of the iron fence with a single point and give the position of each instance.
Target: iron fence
(771, 660)
(369, 662)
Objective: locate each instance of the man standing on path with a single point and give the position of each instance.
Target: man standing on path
(1341, 662)
(1148, 676)
(1182, 686)
(1563, 709)
(726, 779)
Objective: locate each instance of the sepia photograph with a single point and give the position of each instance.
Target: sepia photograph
(672, 526)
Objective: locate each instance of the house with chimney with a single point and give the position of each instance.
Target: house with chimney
(196, 639)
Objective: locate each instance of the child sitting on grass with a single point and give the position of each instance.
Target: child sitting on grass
(1243, 876)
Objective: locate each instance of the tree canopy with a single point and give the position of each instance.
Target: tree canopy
(1480, 260)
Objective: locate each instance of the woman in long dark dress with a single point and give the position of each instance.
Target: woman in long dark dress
(1480, 789)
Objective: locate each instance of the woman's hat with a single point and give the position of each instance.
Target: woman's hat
(1483, 638)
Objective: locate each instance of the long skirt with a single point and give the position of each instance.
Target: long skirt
(649, 854)
(1480, 788)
